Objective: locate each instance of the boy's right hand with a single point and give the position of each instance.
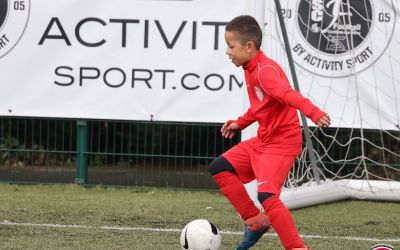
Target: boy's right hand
(324, 121)
(229, 129)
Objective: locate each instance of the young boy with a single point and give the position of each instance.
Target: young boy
(269, 156)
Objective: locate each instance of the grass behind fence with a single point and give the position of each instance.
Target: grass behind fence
(160, 208)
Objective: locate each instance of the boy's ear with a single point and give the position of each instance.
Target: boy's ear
(250, 46)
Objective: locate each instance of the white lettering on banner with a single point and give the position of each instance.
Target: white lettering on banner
(138, 78)
(56, 31)
(317, 12)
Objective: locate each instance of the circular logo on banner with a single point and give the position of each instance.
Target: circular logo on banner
(338, 38)
(14, 16)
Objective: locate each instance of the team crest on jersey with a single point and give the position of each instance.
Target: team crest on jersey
(259, 93)
(14, 16)
(337, 38)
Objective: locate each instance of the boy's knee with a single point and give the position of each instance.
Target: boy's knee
(220, 164)
(263, 196)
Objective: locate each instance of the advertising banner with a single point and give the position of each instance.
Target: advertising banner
(118, 59)
(345, 54)
(164, 60)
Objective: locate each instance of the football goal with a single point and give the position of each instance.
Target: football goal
(342, 55)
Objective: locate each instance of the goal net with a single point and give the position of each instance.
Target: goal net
(346, 59)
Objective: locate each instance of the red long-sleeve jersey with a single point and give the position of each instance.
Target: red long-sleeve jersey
(273, 104)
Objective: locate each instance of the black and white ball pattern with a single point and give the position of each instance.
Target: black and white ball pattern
(200, 234)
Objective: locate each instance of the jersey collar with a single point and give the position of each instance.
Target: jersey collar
(253, 63)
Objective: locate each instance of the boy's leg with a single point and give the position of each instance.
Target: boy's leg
(270, 179)
(230, 178)
(280, 218)
(232, 187)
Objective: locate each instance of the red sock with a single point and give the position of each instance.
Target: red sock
(234, 190)
(282, 222)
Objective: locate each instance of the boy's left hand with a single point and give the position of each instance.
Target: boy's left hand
(324, 121)
(229, 129)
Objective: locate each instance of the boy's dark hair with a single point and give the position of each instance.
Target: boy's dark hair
(247, 28)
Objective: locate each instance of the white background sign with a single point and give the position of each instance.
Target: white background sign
(132, 60)
(165, 61)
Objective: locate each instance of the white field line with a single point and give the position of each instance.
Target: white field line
(351, 238)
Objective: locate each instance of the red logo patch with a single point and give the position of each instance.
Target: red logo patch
(381, 247)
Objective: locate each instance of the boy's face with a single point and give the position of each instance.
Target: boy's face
(238, 53)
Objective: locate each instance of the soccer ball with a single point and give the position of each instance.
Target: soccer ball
(200, 234)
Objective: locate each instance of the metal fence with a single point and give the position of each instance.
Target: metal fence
(169, 154)
(120, 153)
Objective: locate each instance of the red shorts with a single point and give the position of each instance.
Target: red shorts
(251, 161)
